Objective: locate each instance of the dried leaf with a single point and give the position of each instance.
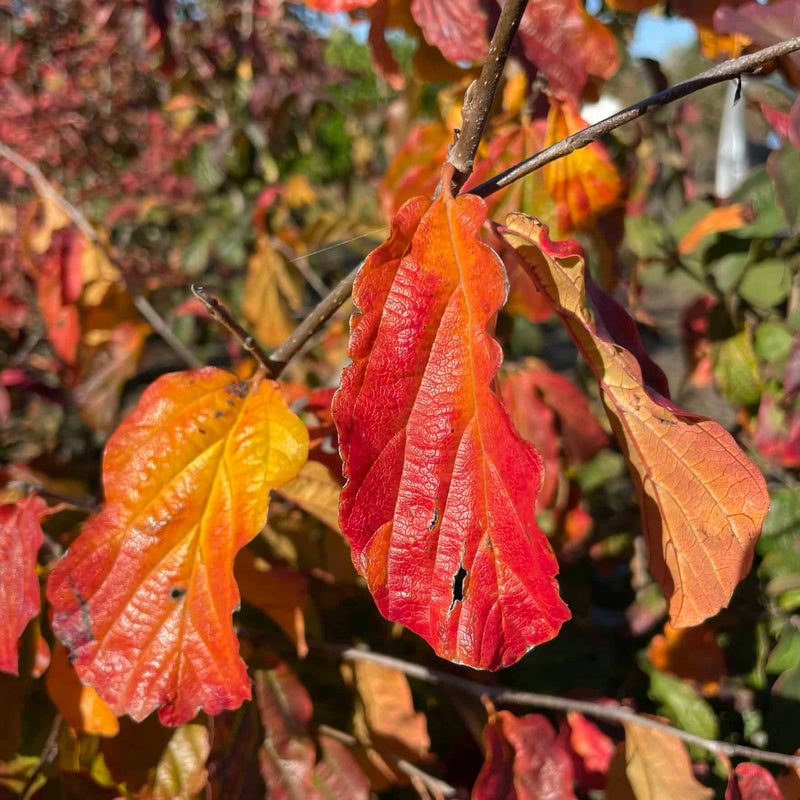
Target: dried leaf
(439, 506)
(144, 596)
(658, 766)
(702, 501)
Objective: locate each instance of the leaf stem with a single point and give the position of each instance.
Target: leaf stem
(142, 304)
(727, 70)
(220, 313)
(501, 695)
(480, 93)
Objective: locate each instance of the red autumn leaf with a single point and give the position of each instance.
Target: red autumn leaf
(567, 44)
(751, 782)
(456, 27)
(55, 289)
(144, 596)
(702, 501)
(525, 760)
(585, 183)
(337, 775)
(333, 6)
(591, 752)
(696, 340)
(777, 433)
(20, 539)
(439, 505)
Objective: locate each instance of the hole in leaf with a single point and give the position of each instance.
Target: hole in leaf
(458, 585)
(176, 593)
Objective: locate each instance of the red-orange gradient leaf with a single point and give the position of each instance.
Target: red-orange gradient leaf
(525, 760)
(702, 501)
(144, 596)
(439, 504)
(20, 539)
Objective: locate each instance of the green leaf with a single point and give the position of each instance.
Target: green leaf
(773, 342)
(766, 283)
(782, 523)
(786, 653)
(735, 369)
(783, 721)
(728, 270)
(783, 166)
(682, 705)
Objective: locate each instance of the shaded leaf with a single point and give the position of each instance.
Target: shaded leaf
(691, 654)
(144, 596)
(682, 705)
(591, 752)
(442, 489)
(456, 27)
(783, 166)
(181, 772)
(80, 705)
(702, 501)
(658, 766)
(525, 760)
(316, 491)
(337, 775)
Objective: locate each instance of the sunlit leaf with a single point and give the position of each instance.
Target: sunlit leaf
(592, 751)
(658, 766)
(439, 505)
(702, 501)
(751, 782)
(584, 183)
(144, 596)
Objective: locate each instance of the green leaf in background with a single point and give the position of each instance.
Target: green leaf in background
(206, 172)
(783, 166)
(782, 524)
(783, 721)
(682, 705)
(728, 270)
(757, 190)
(786, 653)
(766, 283)
(773, 342)
(735, 369)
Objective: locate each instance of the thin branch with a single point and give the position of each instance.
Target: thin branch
(722, 72)
(727, 70)
(49, 752)
(324, 310)
(221, 314)
(503, 696)
(142, 304)
(480, 94)
(436, 785)
(81, 503)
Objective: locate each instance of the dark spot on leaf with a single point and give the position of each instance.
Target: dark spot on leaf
(200, 430)
(218, 414)
(240, 388)
(176, 592)
(458, 585)
(86, 618)
(434, 518)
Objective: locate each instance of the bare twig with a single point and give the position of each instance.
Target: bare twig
(49, 752)
(503, 696)
(142, 304)
(480, 94)
(436, 785)
(717, 74)
(324, 310)
(722, 72)
(221, 314)
(82, 503)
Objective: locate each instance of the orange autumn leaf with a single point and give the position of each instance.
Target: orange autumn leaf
(144, 596)
(691, 654)
(702, 501)
(83, 709)
(658, 766)
(724, 218)
(439, 504)
(585, 183)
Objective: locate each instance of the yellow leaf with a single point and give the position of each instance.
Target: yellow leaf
(316, 491)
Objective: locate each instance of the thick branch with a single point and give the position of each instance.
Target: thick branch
(503, 696)
(722, 72)
(46, 189)
(480, 94)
